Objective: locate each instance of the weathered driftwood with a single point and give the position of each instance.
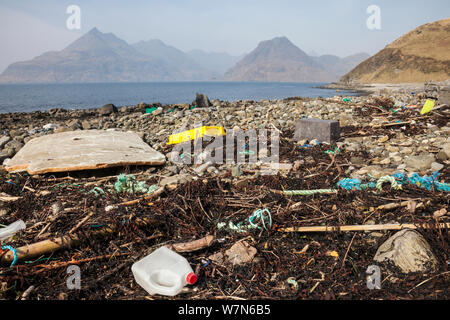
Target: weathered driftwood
(193, 245)
(67, 241)
(374, 227)
(83, 150)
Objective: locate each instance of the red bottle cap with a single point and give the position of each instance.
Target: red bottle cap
(191, 278)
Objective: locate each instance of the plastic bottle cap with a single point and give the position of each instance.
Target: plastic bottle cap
(191, 278)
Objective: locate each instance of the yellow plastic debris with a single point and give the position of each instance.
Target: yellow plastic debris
(333, 254)
(427, 107)
(195, 134)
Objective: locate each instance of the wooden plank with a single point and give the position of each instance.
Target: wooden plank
(83, 150)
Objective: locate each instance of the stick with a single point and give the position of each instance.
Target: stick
(52, 245)
(148, 197)
(193, 245)
(374, 227)
(27, 293)
(68, 263)
(81, 222)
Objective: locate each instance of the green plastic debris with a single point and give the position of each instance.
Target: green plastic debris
(193, 107)
(347, 100)
(150, 110)
(129, 184)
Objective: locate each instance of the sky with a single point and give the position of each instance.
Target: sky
(29, 28)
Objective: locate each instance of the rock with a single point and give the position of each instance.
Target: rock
(173, 169)
(86, 125)
(74, 124)
(63, 129)
(14, 144)
(406, 150)
(202, 168)
(442, 156)
(435, 166)
(175, 180)
(50, 126)
(108, 109)
(240, 253)
(421, 162)
(357, 160)
(298, 164)
(385, 161)
(4, 140)
(236, 171)
(446, 149)
(409, 251)
(202, 101)
(3, 156)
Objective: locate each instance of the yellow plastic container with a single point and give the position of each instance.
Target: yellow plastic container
(195, 134)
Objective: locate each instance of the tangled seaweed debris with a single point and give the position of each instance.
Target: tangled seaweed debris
(287, 265)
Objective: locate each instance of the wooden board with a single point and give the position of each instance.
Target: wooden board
(83, 150)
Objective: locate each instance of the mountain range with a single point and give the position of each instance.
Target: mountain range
(103, 57)
(421, 55)
(280, 60)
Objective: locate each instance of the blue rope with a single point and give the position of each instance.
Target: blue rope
(14, 252)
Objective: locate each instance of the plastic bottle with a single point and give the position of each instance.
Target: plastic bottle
(163, 272)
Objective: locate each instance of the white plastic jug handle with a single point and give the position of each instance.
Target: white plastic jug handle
(165, 289)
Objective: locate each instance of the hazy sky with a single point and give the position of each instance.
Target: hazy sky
(29, 28)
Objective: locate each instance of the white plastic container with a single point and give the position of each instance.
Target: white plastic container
(163, 272)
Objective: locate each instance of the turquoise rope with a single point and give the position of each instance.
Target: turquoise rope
(257, 214)
(260, 214)
(10, 248)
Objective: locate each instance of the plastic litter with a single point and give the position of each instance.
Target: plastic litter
(396, 181)
(150, 110)
(10, 230)
(129, 184)
(426, 182)
(163, 272)
(427, 107)
(195, 134)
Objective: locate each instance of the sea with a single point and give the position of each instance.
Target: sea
(41, 97)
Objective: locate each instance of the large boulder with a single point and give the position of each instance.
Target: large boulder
(409, 251)
(108, 109)
(202, 101)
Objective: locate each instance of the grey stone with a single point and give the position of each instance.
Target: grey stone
(3, 155)
(202, 101)
(442, 156)
(421, 162)
(175, 180)
(86, 125)
(107, 109)
(322, 130)
(4, 140)
(446, 149)
(236, 171)
(435, 166)
(409, 251)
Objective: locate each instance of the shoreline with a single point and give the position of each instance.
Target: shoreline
(380, 136)
(378, 88)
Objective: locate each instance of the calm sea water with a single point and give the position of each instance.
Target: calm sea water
(33, 97)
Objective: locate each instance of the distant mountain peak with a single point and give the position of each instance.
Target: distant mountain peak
(94, 30)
